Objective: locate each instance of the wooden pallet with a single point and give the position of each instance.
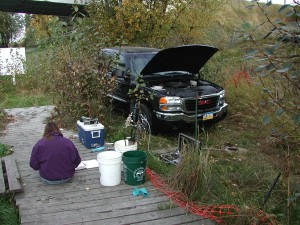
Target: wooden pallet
(9, 176)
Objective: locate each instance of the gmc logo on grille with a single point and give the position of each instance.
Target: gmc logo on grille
(204, 102)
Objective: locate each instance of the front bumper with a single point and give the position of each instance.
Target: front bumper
(191, 118)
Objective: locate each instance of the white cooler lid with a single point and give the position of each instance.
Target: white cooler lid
(90, 127)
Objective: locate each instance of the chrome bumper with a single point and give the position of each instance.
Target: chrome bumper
(190, 118)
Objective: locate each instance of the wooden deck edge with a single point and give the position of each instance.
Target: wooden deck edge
(2, 181)
(10, 175)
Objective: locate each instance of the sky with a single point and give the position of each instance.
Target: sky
(278, 1)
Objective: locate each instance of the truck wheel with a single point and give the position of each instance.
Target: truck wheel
(145, 118)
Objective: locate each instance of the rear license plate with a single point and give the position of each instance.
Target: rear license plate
(208, 116)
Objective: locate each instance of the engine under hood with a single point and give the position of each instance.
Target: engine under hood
(188, 58)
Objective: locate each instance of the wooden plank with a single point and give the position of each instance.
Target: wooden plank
(34, 182)
(71, 217)
(65, 188)
(86, 200)
(78, 196)
(13, 176)
(92, 207)
(135, 216)
(99, 212)
(2, 183)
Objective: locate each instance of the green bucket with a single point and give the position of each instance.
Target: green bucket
(134, 167)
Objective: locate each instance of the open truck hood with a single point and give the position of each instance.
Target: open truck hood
(188, 58)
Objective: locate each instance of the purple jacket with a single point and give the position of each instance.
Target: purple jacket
(55, 159)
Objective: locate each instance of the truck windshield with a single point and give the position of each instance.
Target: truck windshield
(137, 62)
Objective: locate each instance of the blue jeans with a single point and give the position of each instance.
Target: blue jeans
(45, 181)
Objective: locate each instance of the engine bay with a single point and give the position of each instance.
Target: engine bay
(185, 88)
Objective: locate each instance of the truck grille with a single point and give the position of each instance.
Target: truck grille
(204, 104)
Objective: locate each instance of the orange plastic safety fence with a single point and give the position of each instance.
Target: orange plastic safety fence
(238, 76)
(213, 212)
(265, 218)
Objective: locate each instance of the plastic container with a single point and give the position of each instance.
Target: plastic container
(135, 163)
(91, 135)
(125, 145)
(110, 167)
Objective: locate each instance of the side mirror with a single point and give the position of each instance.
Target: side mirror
(117, 73)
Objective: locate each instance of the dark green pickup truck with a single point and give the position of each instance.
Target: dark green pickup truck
(171, 77)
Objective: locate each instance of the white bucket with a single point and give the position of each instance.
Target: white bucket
(124, 146)
(110, 167)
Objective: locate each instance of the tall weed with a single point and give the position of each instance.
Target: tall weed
(193, 173)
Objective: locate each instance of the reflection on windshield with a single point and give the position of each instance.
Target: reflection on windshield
(137, 62)
(174, 73)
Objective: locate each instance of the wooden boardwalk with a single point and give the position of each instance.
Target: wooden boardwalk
(83, 200)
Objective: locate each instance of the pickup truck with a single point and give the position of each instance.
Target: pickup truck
(171, 79)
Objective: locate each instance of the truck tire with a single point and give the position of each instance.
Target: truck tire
(145, 118)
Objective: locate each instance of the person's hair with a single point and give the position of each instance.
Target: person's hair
(50, 128)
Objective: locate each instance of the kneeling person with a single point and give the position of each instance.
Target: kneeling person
(54, 156)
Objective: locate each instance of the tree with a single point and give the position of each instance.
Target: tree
(277, 57)
(155, 23)
(10, 27)
(37, 28)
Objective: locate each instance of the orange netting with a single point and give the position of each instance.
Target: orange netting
(238, 76)
(213, 212)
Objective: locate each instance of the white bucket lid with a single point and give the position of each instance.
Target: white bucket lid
(125, 145)
(107, 155)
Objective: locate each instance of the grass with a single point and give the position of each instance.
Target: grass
(23, 94)
(8, 212)
(20, 100)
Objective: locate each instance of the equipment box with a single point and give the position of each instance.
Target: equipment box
(91, 135)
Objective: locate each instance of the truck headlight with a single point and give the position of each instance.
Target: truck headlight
(222, 97)
(170, 103)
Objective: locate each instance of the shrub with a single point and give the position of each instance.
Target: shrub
(276, 66)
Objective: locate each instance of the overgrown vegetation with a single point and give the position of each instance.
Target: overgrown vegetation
(259, 123)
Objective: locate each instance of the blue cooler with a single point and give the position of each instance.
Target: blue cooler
(91, 135)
